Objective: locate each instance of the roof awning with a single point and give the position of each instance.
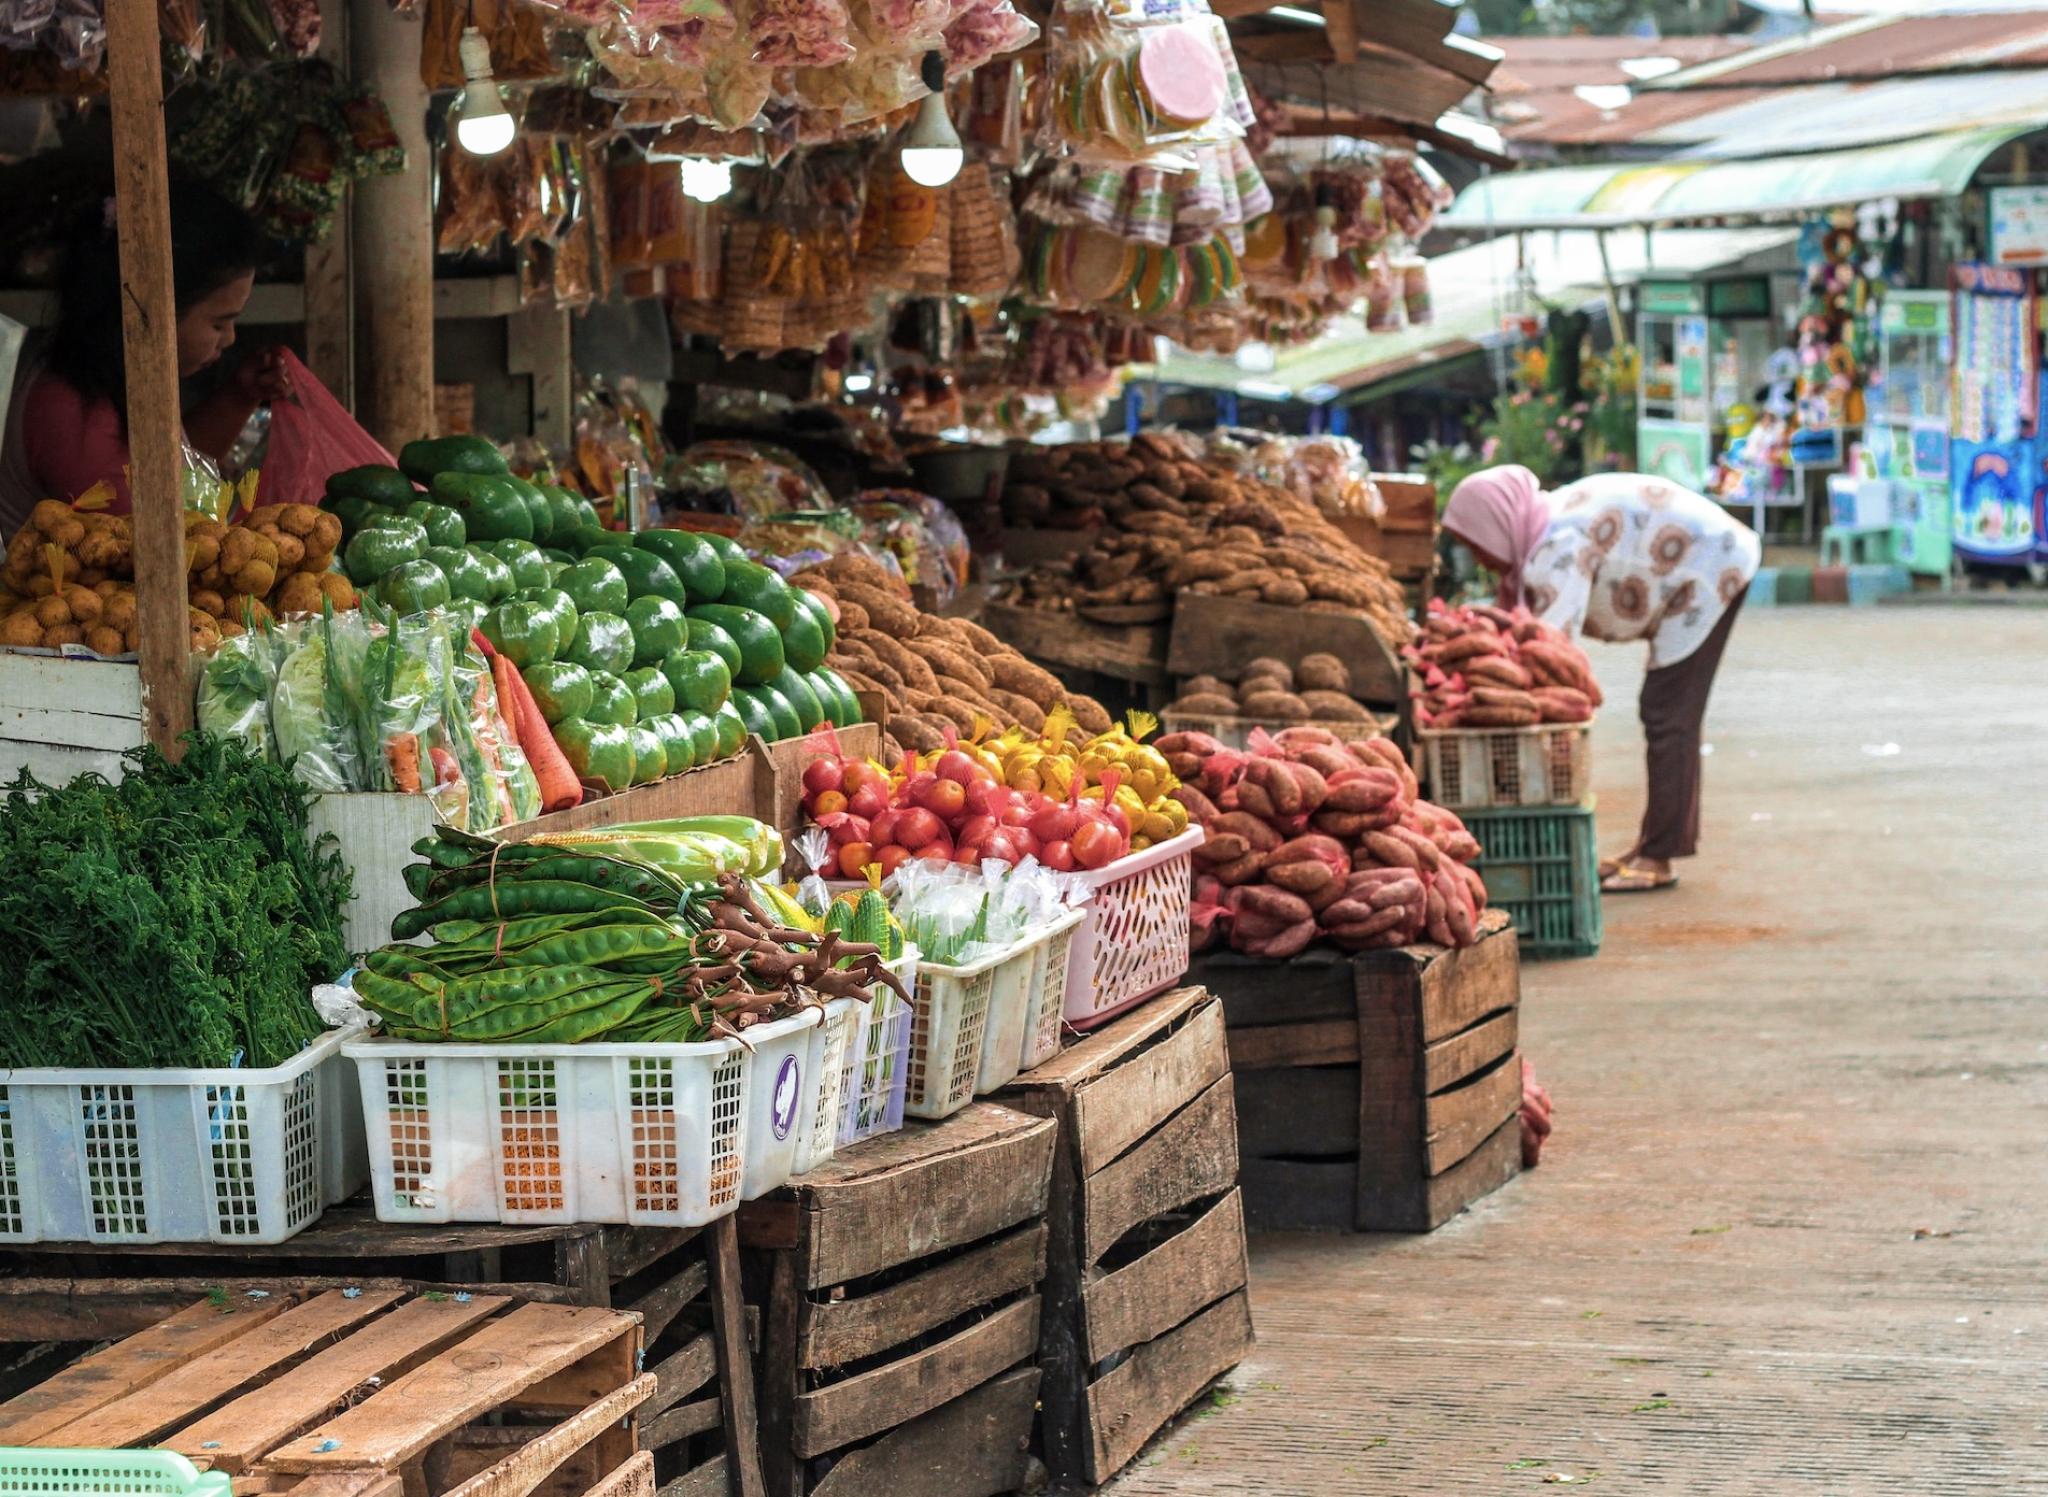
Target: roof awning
(1614, 195)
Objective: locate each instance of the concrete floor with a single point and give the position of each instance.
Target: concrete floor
(1791, 1234)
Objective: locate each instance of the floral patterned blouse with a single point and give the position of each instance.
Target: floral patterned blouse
(1630, 556)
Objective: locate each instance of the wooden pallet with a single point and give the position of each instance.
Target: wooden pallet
(376, 1393)
(1376, 1092)
(683, 1283)
(1064, 642)
(1215, 636)
(1147, 1261)
(900, 1290)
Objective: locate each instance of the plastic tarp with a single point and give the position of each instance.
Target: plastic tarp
(1677, 191)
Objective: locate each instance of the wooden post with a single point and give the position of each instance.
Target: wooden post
(330, 319)
(392, 224)
(149, 318)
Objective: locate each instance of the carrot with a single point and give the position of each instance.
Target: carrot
(559, 787)
(402, 754)
(484, 709)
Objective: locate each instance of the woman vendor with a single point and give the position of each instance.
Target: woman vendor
(1625, 556)
(67, 426)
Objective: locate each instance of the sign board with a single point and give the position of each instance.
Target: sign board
(2019, 225)
(1669, 297)
(1743, 296)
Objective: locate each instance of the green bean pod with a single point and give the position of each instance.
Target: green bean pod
(508, 899)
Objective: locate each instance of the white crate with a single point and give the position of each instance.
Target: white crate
(229, 1156)
(1134, 942)
(782, 1083)
(650, 1135)
(836, 1033)
(1550, 764)
(1048, 991)
(877, 1069)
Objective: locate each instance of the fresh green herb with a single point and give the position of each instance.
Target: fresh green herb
(177, 917)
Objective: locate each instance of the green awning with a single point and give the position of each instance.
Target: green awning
(1932, 166)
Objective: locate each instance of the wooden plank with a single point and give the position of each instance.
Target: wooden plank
(525, 1468)
(1456, 1122)
(1194, 1154)
(236, 1435)
(843, 1331)
(1450, 1061)
(128, 1366)
(679, 1423)
(907, 1194)
(1107, 1046)
(1214, 635)
(1116, 1108)
(707, 1480)
(591, 1376)
(1289, 1195)
(1340, 22)
(1324, 1042)
(779, 1375)
(350, 1231)
(1478, 1174)
(633, 1250)
(659, 1306)
(1150, 1297)
(99, 694)
(1390, 1169)
(98, 1310)
(1133, 1400)
(1316, 985)
(1128, 652)
(633, 1479)
(1460, 987)
(149, 318)
(1302, 1114)
(874, 1401)
(976, 1446)
(174, 1398)
(735, 1367)
(500, 1361)
(680, 1375)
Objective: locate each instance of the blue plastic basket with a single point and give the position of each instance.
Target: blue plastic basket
(88, 1473)
(1543, 868)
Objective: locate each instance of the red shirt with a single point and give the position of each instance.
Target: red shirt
(72, 443)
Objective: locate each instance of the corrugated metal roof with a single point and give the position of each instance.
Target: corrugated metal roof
(1874, 47)
(1562, 63)
(1474, 289)
(1568, 120)
(1829, 116)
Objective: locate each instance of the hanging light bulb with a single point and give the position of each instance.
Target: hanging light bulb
(484, 126)
(931, 146)
(704, 180)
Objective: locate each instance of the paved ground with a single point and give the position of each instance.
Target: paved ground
(1791, 1235)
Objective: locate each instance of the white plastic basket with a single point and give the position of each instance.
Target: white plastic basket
(782, 1082)
(230, 1156)
(1134, 942)
(877, 1070)
(1047, 993)
(650, 1135)
(1550, 764)
(949, 1018)
(818, 1138)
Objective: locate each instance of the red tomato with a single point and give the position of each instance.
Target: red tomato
(985, 797)
(976, 829)
(1058, 856)
(883, 827)
(853, 857)
(845, 828)
(946, 799)
(918, 827)
(823, 775)
(936, 852)
(868, 800)
(858, 772)
(891, 858)
(1003, 848)
(1055, 823)
(967, 855)
(826, 803)
(954, 765)
(1096, 844)
(913, 791)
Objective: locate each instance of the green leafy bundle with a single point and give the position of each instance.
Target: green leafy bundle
(177, 917)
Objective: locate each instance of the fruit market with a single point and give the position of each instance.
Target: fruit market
(796, 747)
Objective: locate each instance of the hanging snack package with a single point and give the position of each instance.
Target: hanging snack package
(471, 215)
(370, 140)
(305, 194)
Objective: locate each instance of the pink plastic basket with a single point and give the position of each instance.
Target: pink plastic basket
(1134, 942)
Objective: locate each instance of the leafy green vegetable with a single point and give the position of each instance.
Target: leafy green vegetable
(179, 917)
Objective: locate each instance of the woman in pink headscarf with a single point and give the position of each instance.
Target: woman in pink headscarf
(1625, 556)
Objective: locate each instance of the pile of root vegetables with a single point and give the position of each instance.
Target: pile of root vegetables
(1312, 837)
(1486, 667)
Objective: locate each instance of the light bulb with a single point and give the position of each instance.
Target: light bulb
(706, 181)
(931, 146)
(484, 127)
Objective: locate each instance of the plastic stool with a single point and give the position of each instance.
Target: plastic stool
(1841, 545)
(1831, 584)
(1795, 585)
(1868, 584)
(1763, 589)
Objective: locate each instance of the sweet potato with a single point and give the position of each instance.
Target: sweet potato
(1200, 808)
(1208, 704)
(1187, 743)
(1322, 672)
(1278, 904)
(1425, 850)
(1304, 876)
(1286, 944)
(1438, 924)
(1307, 735)
(1391, 851)
(1361, 789)
(1323, 848)
(1326, 759)
(1225, 847)
(1378, 922)
(1253, 796)
(1242, 871)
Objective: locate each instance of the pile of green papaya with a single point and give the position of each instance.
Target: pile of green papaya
(648, 652)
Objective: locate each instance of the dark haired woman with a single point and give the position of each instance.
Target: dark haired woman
(67, 426)
(1625, 556)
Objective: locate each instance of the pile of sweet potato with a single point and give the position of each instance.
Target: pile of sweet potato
(1312, 837)
(1486, 667)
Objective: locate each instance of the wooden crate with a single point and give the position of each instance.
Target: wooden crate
(376, 1393)
(63, 718)
(900, 1292)
(1215, 636)
(778, 800)
(1065, 643)
(1405, 537)
(682, 1283)
(1147, 1266)
(1376, 1092)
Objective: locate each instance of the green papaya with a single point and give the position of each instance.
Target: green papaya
(611, 700)
(424, 460)
(705, 635)
(760, 646)
(646, 574)
(754, 714)
(373, 482)
(793, 689)
(659, 628)
(732, 729)
(522, 632)
(377, 549)
(677, 746)
(652, 695)
(594, 585)
(804, 645)
(465, 574)
(600, 753)
(492, 509)
(498, 582)
(443, 525)
(691, 558)
(701, 679)
(703, 737)
(414, 587)
(561, 689)
(748, 584)
(529, 567)
(727, 548)
(650, 759)
(604, 642)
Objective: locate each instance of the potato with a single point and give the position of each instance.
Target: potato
(208, 602)
(325, 534)
(53, 612)
(49, 514)
(299, 593)
(120, 611)
(290, 550)
(339, 590)
(202, 553)
(63, 634)
(21, 629)
(300, 520)
(1323, 672)
(84, 603)
(257, 577)
(103, 641)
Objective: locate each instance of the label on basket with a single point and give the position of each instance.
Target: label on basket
(783, 1116)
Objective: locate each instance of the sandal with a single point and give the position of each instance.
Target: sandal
(1633, 880)
(1611, 866)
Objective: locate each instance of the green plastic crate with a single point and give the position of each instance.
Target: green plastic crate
(1543, 867)
(86, 1473)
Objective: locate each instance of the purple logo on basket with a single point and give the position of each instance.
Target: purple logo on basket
(782, 1111)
